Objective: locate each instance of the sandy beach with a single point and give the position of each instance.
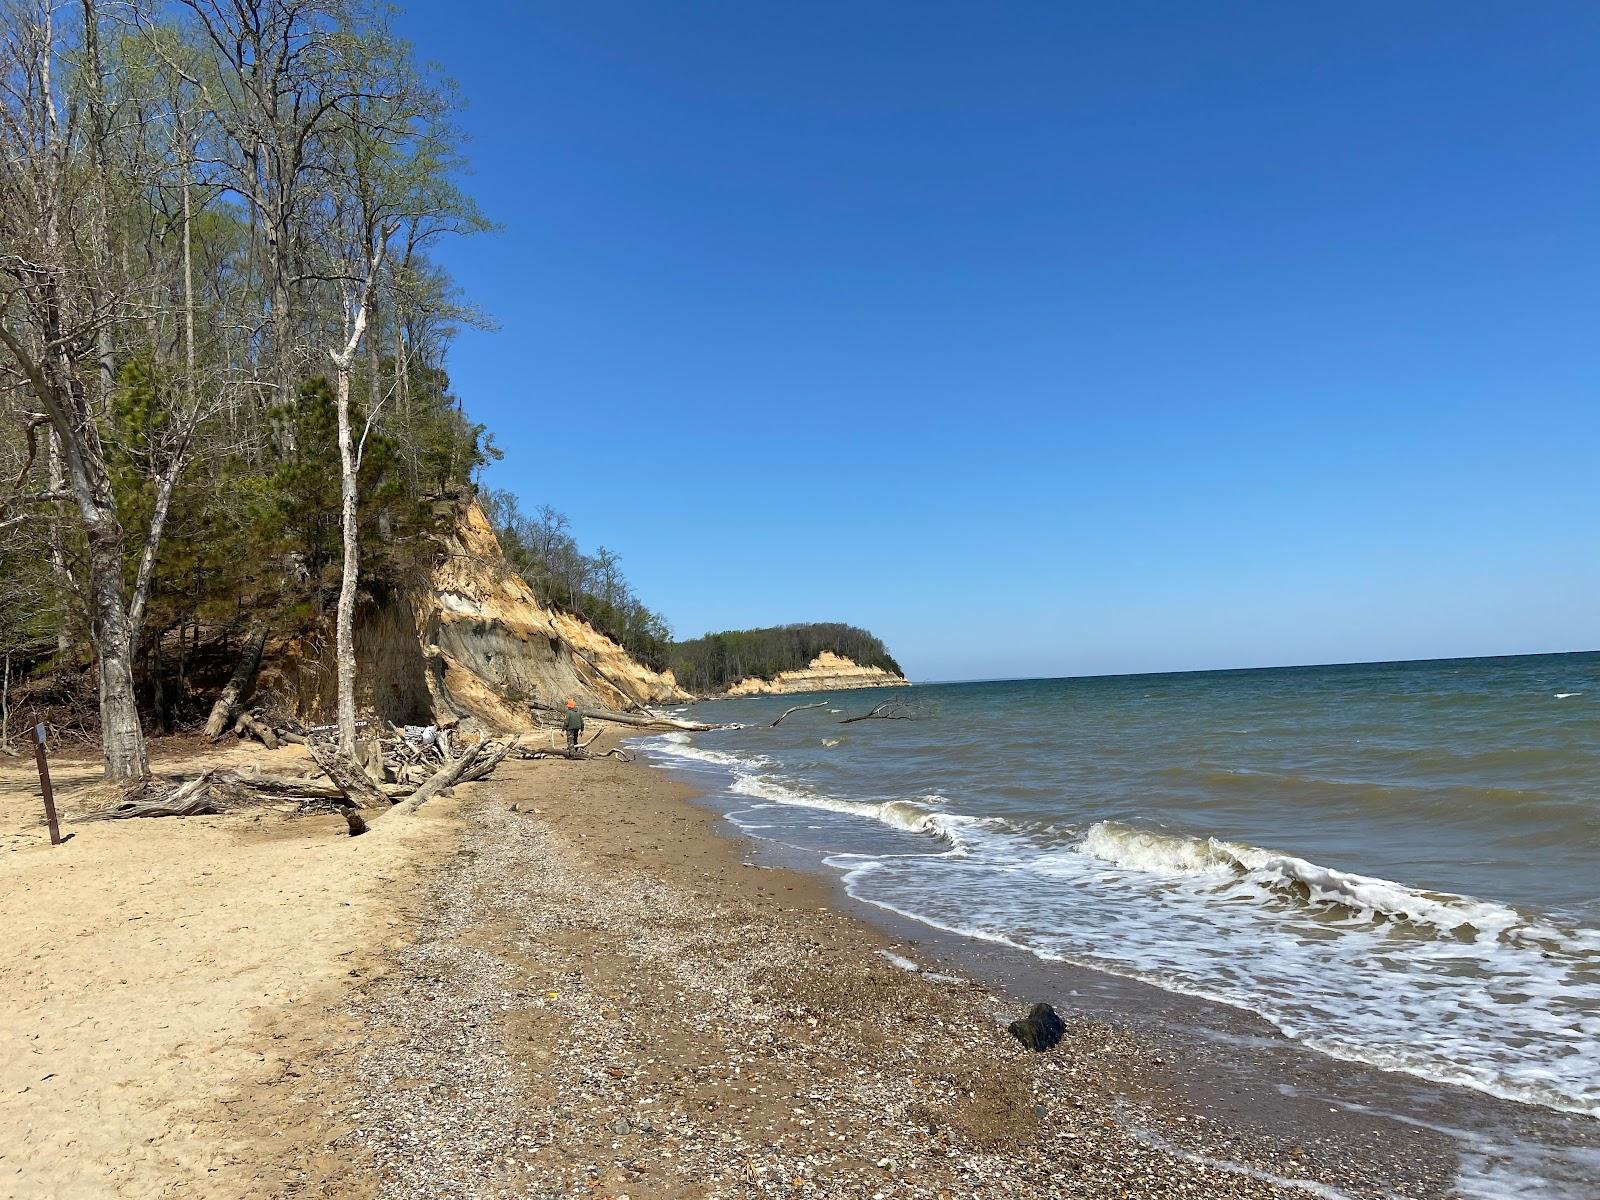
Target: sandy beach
(563, 981)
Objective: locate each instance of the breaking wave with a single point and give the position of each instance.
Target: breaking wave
(1284, 875)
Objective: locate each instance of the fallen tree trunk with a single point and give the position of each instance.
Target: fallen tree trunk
(485, 766)
(249, 726)
(646, 720)
(350, 779)
(298, 787)
(191, 799)
(795, 709)
(239, 685)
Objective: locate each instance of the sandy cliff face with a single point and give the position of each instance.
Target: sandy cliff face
(492, 647)
(468, 641)
(827, 672)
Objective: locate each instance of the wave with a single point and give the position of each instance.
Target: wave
(908, 816)
(1283, 876)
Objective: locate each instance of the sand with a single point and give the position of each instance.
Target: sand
(564, 981)
(156, 973)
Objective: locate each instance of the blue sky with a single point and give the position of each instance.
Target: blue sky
(1047, 338)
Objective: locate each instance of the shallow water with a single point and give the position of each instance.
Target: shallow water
(1396, 864)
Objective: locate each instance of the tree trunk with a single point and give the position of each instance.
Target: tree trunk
(344, 628)
(145, 575)
(5, 709)
(349, 464)
(348, 778)
(122, 741)
(58, 553)
(238, 689)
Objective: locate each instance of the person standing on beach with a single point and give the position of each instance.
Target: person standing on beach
(574, 725)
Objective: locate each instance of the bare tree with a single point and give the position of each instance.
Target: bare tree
(52, 311)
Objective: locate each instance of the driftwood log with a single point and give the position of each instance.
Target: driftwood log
(249, 725)
(889, 710)
(640, 720)
(218, 790)
(239, 685)
(346, 785)
(797, 708)
(580, 752)
(351, 780)
(191, 799)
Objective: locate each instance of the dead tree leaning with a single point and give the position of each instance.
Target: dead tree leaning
(239, 685)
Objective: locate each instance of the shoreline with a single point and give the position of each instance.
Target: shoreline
(1225, 1060)
(577, 978)
(686, 1000)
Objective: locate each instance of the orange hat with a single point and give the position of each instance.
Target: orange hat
(572, 704)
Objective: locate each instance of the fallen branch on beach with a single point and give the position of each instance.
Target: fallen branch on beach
(889, 710)
(644, 720)
(795, 709)
(581, 753)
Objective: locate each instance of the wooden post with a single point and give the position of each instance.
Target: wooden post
(44, 784)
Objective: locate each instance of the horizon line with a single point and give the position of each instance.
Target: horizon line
(1307, 666)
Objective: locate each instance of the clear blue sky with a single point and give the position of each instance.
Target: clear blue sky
(1051, 338)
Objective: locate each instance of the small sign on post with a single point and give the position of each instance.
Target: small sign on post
(44, 785)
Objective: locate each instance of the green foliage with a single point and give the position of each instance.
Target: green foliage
(262, 531)
(718, 660)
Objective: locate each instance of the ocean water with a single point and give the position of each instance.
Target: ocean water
(1395, 864)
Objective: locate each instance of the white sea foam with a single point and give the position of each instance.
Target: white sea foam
(916, 968)
(905, 815)
(1567, 695)
(1363, 895)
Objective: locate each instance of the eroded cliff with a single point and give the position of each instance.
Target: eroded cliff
(827, 672)
(466, 641)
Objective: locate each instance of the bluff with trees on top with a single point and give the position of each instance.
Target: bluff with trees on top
(717, 661)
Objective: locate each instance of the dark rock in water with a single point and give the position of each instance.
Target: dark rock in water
(1040, 1030)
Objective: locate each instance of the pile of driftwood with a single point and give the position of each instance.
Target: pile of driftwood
(378, 785)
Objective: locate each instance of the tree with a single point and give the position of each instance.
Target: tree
(206, 206)
(53, 309)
